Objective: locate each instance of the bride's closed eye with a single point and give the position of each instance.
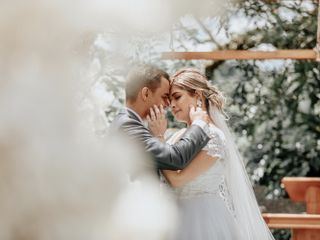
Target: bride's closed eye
(176, 97)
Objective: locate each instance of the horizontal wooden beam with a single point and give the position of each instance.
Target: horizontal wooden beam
(292, 221)
(279, 1)
(242, 55)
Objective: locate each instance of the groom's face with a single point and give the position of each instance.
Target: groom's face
(160, 96)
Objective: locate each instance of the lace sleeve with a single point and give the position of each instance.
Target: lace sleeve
(216, 146)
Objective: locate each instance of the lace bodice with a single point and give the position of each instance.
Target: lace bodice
(211, 182)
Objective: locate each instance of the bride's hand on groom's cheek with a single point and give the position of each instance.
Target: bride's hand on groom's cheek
(157, 121)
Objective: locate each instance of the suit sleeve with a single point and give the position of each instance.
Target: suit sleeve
(173, 157)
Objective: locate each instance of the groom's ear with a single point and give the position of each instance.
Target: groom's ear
(145, 92)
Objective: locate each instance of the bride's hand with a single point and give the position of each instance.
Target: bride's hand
(157, 122)
(198, 114)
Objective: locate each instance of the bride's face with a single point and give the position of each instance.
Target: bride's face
(180, 100)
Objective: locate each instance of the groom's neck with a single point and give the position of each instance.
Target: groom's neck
(136, 107)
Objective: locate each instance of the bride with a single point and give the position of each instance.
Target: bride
(214, 194)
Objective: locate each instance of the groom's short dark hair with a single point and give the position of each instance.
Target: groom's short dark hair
(143, 75)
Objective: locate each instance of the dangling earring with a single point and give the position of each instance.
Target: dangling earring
(199, 103)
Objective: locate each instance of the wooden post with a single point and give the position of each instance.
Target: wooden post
(305, 234)
(313, 200)
(304, 189)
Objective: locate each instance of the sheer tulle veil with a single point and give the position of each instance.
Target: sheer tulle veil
(244, 202)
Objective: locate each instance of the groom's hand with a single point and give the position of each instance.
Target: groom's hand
(198, 114)
(157, 122)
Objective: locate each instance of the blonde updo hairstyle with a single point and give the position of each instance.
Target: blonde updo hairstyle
(193, 81)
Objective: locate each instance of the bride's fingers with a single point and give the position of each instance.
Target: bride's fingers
(152, 114)
(157, 111)
(162, 110)
(148, 118)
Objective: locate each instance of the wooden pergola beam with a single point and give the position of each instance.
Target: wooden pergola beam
(277, 1)
(307, 54)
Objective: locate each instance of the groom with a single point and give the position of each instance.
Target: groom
(147, 91)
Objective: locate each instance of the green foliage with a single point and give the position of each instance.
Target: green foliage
(278, 108)
(274, 104)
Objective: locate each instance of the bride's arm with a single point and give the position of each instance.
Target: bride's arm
(198, 165)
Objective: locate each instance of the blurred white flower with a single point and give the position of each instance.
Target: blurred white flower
(102, 97)
(58, 179)
(154, 219)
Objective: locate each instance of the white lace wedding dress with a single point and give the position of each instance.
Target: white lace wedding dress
(205, 206)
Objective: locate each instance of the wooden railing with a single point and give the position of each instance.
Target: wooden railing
(303, 226)
(292, 221)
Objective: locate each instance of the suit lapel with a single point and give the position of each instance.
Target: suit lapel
(133, 115)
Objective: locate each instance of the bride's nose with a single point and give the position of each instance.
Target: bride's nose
(172, 104)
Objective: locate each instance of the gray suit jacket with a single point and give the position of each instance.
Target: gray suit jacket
(173, 157)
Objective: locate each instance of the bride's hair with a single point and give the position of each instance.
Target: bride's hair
(192, 80)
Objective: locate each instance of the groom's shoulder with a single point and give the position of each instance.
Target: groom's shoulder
(120, 119)
(124, 118)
